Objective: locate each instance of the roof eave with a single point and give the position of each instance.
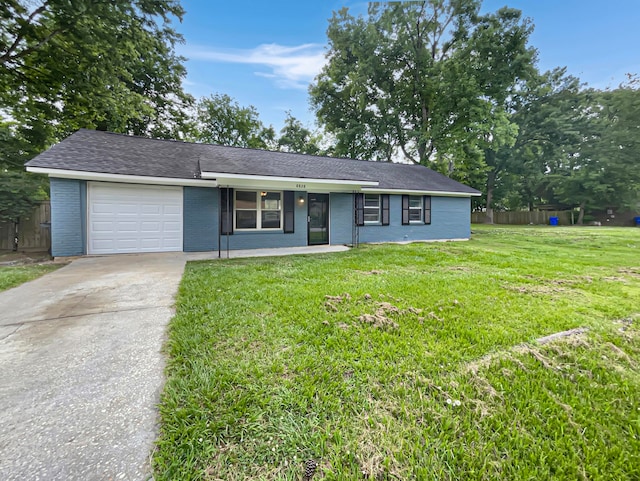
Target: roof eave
(440, 193)
(287, 183)
(122, 178)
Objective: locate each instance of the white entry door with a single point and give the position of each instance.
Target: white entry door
(126, 218)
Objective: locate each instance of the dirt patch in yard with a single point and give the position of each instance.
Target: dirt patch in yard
(10, 258)
(536, 289)
(630, 271)
(381, 314)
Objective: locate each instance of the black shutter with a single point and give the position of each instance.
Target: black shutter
(226, 211)
(359, 209)
(405, 210)
(427, 209)
(289, 211)
(385, 208)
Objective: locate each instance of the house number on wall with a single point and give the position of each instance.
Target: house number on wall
(301, 186)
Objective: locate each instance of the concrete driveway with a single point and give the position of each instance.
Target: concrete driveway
(81, 368)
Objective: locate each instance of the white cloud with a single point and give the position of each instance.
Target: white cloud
(290, 67)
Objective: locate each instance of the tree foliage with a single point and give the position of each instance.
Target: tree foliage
(545, 111)
(426, 81)
(85, 63)
(602, 170)
(221, 120)
(20, 192)
(295, 137)
(576, 147)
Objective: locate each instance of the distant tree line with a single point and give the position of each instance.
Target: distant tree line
(431, 82)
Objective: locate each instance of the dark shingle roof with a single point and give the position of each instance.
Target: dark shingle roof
(104, 152)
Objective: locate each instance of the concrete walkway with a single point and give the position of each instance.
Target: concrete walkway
(81, 367)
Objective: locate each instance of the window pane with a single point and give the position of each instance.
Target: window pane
(245, 200)
(371, 214)
(246, 219)
(371, 208)
(415, 201)
(271, 201)
(270, 219)
(415, 215)
(371, 200)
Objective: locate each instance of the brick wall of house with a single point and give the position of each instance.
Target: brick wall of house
(450, 219)
(201, 219)
(68, 217)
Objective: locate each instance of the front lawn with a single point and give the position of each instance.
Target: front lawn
(12, 276)
(410, 362)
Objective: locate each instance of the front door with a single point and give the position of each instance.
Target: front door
(318, 220)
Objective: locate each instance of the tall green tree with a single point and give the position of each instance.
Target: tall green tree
(424, 81)
(221, 120)
(295, 137)
(547, 112)
(85, 63)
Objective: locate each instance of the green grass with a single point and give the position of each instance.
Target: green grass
(447, 382)
(12, 276)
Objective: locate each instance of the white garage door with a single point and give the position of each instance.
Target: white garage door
(133, 218)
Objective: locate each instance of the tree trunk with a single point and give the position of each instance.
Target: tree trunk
(581, 214)
(491, 178)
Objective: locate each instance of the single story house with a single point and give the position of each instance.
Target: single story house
(113, 193)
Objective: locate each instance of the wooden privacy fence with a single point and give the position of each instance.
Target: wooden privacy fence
(524, 217)
(34, 231)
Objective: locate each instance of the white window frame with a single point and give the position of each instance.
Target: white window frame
(370, 209)
(421, 209)
(258, 211)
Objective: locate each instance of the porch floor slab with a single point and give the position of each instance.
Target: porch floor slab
(280, 251)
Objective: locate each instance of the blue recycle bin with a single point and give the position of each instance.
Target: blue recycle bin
(553, 221)
(637, 221)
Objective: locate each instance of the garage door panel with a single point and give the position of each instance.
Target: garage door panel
(128, 209)
(172, 226)
(100, 208)
(172, 210)
(102, 226)
(134, 218)
(127, 245)
(150, 227)
(148, 209)
(150, 243)
(126, 227)
(172, 245)
(105, 244)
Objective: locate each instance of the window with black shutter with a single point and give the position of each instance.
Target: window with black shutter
(416, 209)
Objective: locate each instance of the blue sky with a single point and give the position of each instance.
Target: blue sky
(265, 54)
